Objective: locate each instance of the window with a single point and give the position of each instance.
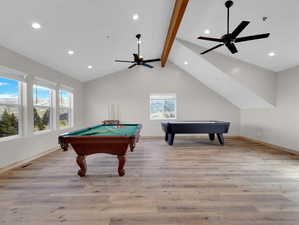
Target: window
(42, 108)
(10, 107)
(162, 106)
(65, 109)
(31, 104)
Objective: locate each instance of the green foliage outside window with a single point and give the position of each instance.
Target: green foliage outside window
(41, 122)
(8, 124)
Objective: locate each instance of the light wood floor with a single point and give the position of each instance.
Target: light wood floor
(192, 182)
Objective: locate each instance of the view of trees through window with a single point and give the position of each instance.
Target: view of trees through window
(41, 108)
(65, 109)
(9, 107)
(162, 107)
(8, 122)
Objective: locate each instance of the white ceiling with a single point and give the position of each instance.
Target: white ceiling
(282, 23)
(83, 25)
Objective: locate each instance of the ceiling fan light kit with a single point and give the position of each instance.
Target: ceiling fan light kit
(229, 39)
(138, 59)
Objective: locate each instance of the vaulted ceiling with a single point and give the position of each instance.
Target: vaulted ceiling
(101, 31)
(282, 23)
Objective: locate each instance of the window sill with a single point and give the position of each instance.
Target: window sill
(42, 132)
(163, 119)
(66, 128)
(10, 138)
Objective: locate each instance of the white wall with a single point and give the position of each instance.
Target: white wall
(130, 89)
(26, 147)
(279, 126)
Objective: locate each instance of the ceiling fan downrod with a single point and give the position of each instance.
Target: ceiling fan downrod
(228, 4)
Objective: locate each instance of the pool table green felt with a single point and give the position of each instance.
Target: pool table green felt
(107, 130)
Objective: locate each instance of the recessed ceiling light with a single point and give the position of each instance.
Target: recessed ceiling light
(90, 67)
(207, 31)
(70, 52)
(271, 54)
(36, 25)
(186, 63)
(135, 16)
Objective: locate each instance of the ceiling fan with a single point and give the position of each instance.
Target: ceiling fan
(229, 39)
(138, 60)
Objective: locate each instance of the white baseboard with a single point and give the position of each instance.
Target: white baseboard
(26, 161)
(277, 147)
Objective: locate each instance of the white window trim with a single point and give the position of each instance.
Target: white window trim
(170, 96)
(10, 138)
(12, 74)
(19, 106)
(51, 107)
(44, 83)
(71, 108)
(40, 132)
(66, 88)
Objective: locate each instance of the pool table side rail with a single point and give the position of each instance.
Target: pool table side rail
(67, 138)
(72, 133)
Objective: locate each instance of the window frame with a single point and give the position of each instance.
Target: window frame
(173, 95)
(50, 107)
(19, 106)
(71, 108)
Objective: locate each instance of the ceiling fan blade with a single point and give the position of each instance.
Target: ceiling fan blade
(148, 65)
(124, 61)
(217, 46)
(210, 39)
(130, 67)
(151, 60)
(253, 37)
(239, 28)
(231, 47)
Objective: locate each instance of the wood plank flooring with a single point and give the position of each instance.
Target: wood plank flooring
(193, 182)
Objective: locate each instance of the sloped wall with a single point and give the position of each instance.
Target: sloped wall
(245, 85)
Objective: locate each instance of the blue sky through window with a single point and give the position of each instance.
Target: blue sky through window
(9, 91)
(65, 98)
(8, 88)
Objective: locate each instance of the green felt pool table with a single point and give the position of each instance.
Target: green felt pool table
(109, 138)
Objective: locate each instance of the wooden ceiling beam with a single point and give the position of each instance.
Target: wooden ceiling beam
(176, 18)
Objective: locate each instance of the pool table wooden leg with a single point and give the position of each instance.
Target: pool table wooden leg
(212, 137)
(121, 165)
(220, 138)
(81, 161)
